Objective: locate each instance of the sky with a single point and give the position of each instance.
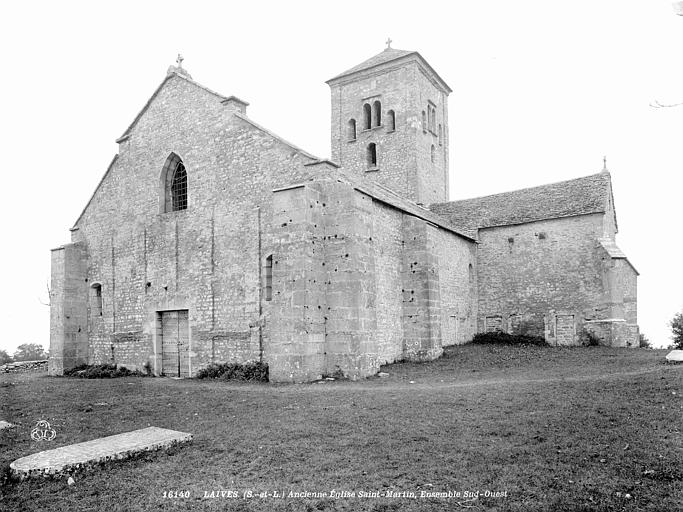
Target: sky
(542, 90)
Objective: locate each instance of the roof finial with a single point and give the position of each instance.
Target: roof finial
(604, 164)
(180, 60)
(388, 41)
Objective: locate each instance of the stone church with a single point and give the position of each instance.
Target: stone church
(211, 239)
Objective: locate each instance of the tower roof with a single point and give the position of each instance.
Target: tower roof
(389, 55)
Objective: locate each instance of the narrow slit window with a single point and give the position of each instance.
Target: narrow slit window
(96, 302)
(372, 155)
(424, 121)
(440, 135)
(352, 129)
(179, 188)
(268, 279)
(391, 120)
(433, 152)
(367, 116)
(377, 113)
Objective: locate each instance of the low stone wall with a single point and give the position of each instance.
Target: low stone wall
(24, 366)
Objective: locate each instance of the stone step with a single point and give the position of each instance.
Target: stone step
(81, 455)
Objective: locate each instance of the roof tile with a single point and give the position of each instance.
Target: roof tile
(579, 196)
(387, 55)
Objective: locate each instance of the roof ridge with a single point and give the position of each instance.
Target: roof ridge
(601, 173)
(390, 54)
(99, 184)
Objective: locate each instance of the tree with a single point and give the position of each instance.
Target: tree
(644, 342)
(5, 357)
(677, 329)
(30, 352)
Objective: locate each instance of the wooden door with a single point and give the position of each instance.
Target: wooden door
(175, 338)
(565, 329)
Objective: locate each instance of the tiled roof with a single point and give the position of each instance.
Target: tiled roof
(614, 251)
(390, 55)
(612, 248)
(580, 196)
(387, 55)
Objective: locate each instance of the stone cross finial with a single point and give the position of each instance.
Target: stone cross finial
(389, 41)
(180, 60)
(604, 164)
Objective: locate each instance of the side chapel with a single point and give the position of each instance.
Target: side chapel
(211, 239)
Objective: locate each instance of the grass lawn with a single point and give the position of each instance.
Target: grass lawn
(548, 428)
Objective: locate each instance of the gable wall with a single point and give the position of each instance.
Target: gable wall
(204, 259)
(609, 220)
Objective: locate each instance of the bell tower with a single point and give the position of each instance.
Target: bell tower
(390, 124)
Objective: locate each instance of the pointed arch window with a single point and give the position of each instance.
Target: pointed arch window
(179, 188)
(173, 185)
(367, 116)
(391, 120)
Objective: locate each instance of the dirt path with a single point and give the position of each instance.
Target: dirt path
(510, 381)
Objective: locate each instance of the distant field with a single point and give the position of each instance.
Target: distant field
(594, 429)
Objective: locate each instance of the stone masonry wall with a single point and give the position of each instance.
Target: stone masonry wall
(421, 291)
(403, 155)
(205, 259)
(322, 314)
(68, 309)
(621, 327)
(358, 284)
(387, 241)
(544, 278)
(458, 288)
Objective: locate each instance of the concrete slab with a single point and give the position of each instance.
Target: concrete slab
(675, 356)
(81, 455)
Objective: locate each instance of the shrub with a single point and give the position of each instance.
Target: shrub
(503, 338)
(30, 352)
(643, 342)
(338, 374)
(148, 368)
(101, 371)
(677, 330)
(5, 357)
(253, 371)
